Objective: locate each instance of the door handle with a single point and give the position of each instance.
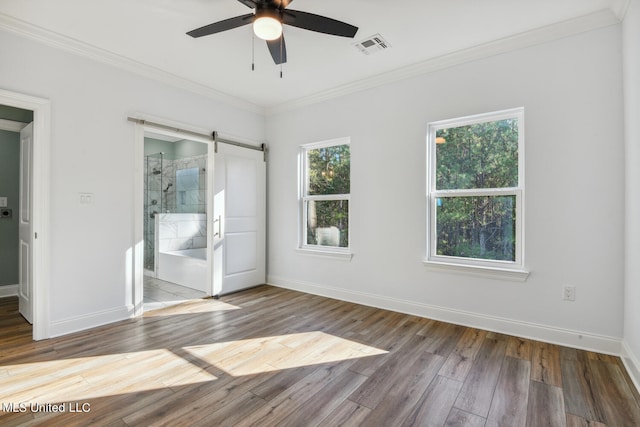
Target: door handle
(219, 221)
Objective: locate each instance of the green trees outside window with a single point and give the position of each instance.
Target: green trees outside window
(477, 227)
(475, 188)
(327, 185)
(481, 155)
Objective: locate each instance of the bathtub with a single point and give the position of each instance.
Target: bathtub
(187, 267)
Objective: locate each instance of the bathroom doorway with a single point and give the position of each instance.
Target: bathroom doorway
(235, 179)
(175, 220)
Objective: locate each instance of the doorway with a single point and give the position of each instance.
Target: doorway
(174, 220)
(235, 214)
(12, 122)
(33, 211)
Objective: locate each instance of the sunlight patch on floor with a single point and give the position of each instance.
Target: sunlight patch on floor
(97, 376)
(268, 354)
(80, 379)
(191, 307)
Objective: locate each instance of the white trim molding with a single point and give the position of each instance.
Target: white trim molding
(599, 19)
(619, 8)
(632, 363)
(581, 24)
(339, 255)
(545, 333)
(8, 291)
(88, 321)
(478, 271)
(86, 50)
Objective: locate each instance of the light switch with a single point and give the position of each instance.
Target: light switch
(86, 198)
(3, 202)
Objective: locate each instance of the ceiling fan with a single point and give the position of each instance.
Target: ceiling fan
(267, 20)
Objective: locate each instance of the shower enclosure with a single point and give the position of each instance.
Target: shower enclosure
(159, 176)
(173, 186)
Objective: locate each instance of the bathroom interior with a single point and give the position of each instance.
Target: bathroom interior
(175, 220)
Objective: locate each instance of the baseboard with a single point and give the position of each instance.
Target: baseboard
(565, 337)
(8, 291)
(632, 364)
(92, 320)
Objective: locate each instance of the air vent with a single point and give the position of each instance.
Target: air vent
(372, 44)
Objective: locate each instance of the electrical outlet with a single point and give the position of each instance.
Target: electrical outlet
(569, 293)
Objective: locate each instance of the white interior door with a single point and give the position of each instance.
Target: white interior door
(26, 226)
(239, 219)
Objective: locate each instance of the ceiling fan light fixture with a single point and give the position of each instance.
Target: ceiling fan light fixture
(267, 19)
(267, 25)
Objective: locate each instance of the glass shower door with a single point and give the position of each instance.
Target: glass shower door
(153, 205)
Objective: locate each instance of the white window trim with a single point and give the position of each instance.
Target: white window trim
(511, 270)
(344, 255)
(303, 184)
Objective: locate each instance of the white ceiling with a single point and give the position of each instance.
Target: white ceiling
(152, 32)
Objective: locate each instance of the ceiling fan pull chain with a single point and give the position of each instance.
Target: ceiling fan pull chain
(253, 55)
(281, 61)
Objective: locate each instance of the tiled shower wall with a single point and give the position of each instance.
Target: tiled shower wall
(177, 186)
(178, 231)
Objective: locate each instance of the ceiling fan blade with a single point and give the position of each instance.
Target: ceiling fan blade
(249, 3)
(320, 24)
(278, 51)
(217, 27)
(280, 4)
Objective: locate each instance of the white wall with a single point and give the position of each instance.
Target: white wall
(631, 69)
(572, 94)
(92, 148)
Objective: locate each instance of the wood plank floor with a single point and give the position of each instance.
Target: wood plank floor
(273, 357)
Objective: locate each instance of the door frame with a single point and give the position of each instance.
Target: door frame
(40, 176)
(189, 133)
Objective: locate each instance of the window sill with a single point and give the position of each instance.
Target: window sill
(342, 255)
(479, 271)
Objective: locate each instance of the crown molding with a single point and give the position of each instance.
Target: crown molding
(592, 21)
(548, 33)
(619, 8)
(86, 50)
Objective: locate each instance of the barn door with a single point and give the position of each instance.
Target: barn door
(239, 219)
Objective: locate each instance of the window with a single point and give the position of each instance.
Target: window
(325, 182)
(476, 189)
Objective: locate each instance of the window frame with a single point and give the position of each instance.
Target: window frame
(304, 197)
(485, 267)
